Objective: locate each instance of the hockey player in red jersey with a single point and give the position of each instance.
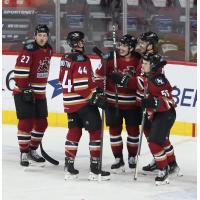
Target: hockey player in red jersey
(154, 94)
(127, 62)
(147, 43)
(81, 101)
(31, 74)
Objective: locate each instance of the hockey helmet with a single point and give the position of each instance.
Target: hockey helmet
(129, 40)
(154, 59)
(150, 37)
(42, 28)
(74, 37)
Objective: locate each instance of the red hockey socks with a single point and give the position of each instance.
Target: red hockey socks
(169, 150)
(95, 143)
(37, 134)
(24, 134)
(132, 139)
(159, 155)
(116, 141)
(72, 140)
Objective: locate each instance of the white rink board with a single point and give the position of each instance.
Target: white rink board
(182, 76)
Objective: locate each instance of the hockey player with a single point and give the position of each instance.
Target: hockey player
(127, 62)
(31, 74)
(154, 94)
(81, 102)
(147, 43)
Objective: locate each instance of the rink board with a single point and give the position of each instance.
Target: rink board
(182, 76)
(60, 120)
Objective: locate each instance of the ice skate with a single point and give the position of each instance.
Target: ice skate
(118, 165)
(174, 169)
(95, 174)
(131, 162)
(70, 172)
(35, 159)
(162, 177)
(151, 168)
(24, 160)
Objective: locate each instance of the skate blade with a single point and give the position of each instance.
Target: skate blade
(69, 176)
(95, 177)
(149, 173)
(33, 167)
(119, 170)
(176, 173)
(36, 164)
(158, 183)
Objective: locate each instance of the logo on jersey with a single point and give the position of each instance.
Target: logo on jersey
(80, 58)
(159, 81)
(129, 70)
(43, 69)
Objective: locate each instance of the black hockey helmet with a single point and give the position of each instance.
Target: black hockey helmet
(129, 40)
(150, 37)
(42, 28)
(74, 37)
(154, 59)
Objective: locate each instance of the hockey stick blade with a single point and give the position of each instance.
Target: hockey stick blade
(47, 157)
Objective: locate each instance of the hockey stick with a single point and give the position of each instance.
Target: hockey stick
(104, 56)
(115, 66)
(47, 157)
(141, 132)
(140, 144)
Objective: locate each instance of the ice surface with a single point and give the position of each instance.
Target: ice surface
(48, 183)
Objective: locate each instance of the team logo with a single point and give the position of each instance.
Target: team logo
(44, 65)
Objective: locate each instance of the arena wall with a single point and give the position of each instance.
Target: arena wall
(182, 75)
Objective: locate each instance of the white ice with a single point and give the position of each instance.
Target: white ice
(48, 183)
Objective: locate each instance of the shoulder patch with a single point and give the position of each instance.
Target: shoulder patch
(159, 80)
(76, 57)
(30, 46)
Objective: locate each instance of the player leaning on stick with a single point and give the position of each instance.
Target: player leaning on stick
(31, 74)
(160, 111)
(81, 102)
(127, 62)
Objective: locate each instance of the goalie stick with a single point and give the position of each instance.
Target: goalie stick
(47, 157)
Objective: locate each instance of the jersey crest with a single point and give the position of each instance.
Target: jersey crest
(159, 80)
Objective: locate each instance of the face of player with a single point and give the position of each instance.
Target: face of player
(80, 45)
(41, 39)
(144, 46)
(146, 66)
(124, 50)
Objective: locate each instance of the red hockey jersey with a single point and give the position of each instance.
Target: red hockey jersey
(77, 80)
(126, 96)
(32, 69)
(156, 86)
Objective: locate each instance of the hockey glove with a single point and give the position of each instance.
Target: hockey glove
(99, 100)
(120, 79)
(27, 95)
(151, 103)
